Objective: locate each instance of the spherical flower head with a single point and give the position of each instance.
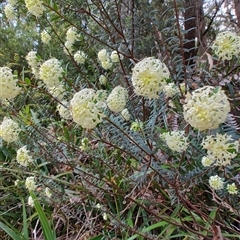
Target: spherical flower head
(171, 90)
(32, 59)
(222, 148)
(9, 130)
(103, 55)
(207, 161)
(64, 111)
(8, 84)
(125, 114)
(9, 12)
(45, 37)
(176, 140)
(50, 72)
(84, 144)
(149, 77)
(87, 108)
(57, 92)
(116, 100)
(137, 126)
(48, 192)
(232, 189)
(30, 201)
(115, 57)
(68, 47)
(71, 35)
(23, 157)
(216, 182)
(35, 7)
(206, 108)
(226, 45)
(106, 64)
(30, 183)
(103, 79)
(80, 57)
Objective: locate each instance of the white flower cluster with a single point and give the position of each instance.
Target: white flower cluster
(87, 108)
(176, 140)
(232, 189)
(216, 182)
(23, 157)
(126, 114)
(227, 45)
(30, 183)
(64, 111)
(206, 108)
(115, 56)
(149, 77)
(30, 201)
(48, 192)
(9, 12)
(171, 90)
(103, 79)
(35, 7)
(9, 130)
(220, 149)
(45, 37)
(33, 62)
(71, 37)
(51, 72)
(9, 89)
(105, 59)
(80, 57)
(117, 99)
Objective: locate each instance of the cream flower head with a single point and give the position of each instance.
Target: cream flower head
(232, 189)
(221, 148)
(35, 7)
(45, 37)
(176, 140)
(72, 35)
(87, 108)
(9, 130)
(103, 55)
(206, 108)
(30, 183)
(149, 77)
(226, 45)
(23, 157)
(116, 100)
(80, 57)
(8, 84)
(126, 114)
(216, 182)
(51, 72)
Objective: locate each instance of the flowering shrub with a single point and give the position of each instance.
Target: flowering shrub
(117, 134)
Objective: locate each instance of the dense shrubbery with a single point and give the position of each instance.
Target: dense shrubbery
(111, 133)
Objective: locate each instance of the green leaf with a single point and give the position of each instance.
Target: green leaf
(47, 231)
(25, 226)
(14, 234)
